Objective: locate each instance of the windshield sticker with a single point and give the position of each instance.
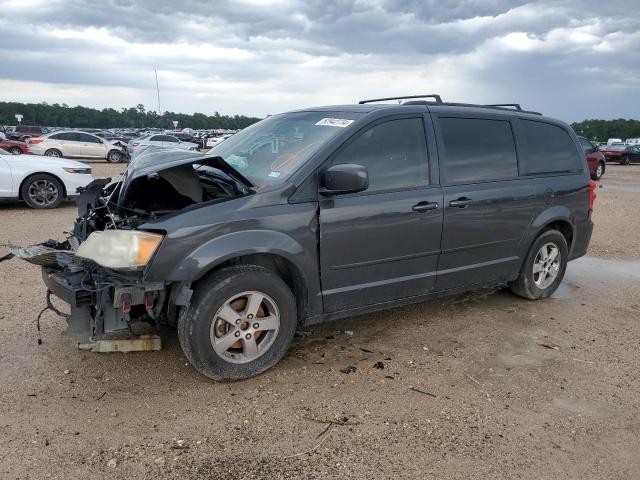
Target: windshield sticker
(335, 122)
(274, 174)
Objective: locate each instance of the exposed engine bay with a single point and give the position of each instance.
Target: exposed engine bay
(108, 297)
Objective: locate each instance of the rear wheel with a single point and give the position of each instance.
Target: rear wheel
(52, 152)
(42, 191)
(597, 175)
(543, 268)
(15, 151)
(626, 160)
(240, 322)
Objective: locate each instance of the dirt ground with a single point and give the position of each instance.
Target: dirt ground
(491, 399)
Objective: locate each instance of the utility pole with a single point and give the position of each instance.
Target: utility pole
(158, 90)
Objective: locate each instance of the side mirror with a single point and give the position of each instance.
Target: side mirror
(344, 178)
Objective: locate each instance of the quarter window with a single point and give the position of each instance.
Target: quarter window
(394, 152)
(477, 150)
(551, 149)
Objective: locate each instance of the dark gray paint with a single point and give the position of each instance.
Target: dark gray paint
(361, 252)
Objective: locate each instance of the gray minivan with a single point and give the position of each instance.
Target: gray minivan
(324, 213)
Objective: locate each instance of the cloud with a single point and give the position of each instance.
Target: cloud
(572, 59)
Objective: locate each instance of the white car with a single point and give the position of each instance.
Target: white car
(213, 141)
(42, 182)
(160, 140)
(77, 144)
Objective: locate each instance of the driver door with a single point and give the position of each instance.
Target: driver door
(382, 244)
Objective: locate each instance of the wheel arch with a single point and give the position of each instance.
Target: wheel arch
(29, 175)
(277, 263)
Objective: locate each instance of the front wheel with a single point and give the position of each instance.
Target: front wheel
(240, 322)
(625, 160)
(15, 151)
(42, 191)
(543, 268)
(115, 157)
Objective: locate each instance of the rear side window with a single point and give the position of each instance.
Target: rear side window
(551, 149)
(66, 136)
(586, 144)
(394, 152)
(83, 137)
(477, 150)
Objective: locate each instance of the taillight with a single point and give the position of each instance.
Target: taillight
(35, 141)
(135, 144)
(592, 193)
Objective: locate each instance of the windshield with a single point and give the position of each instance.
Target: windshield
(269, 151)
(617, 147)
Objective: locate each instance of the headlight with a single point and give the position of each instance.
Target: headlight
(77, 170)
(120, 248)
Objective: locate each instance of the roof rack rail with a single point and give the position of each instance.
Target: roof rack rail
(437, 98)
(502, 105)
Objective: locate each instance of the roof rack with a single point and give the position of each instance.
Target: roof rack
(437, 98)
(503, 105)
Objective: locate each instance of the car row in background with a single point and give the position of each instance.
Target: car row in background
(623, 154)
(42, 182)
(77, 144)
(162, 141)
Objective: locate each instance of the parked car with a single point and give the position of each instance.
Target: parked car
(595, 158)
(71, 143)
(14, 147)
(214, 140)
(325, 213)
(614, 141)
(160, 140)
(41, 182)
(623, 154)
(25, 132)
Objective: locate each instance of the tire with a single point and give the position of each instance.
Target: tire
(197, 327)
(15, 151)
(600, 168)
(528, 285)
(114, 156)
(53, 152)
(42, 191)
(625, 160)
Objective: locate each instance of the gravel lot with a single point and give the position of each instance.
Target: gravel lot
(499, 403)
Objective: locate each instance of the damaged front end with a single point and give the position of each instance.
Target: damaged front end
(99, 270)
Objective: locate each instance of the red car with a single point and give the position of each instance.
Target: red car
(595, 159)
(14, 147)
(624, 154)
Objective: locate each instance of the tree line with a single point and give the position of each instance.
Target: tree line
(602, 130)
(62, 115)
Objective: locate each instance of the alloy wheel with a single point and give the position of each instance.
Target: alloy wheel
(43, 193)
(546, 265)
(244, 327)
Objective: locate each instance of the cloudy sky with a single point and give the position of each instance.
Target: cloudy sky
(569, 59)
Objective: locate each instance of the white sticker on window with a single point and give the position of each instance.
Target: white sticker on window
(275, 174)
(335, 122)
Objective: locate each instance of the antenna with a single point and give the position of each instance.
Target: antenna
(158, 90)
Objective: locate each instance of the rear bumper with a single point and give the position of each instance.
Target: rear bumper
(581, 239)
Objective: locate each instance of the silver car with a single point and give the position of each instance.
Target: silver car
(159, 140)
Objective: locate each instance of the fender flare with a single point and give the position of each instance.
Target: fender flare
(232, 245)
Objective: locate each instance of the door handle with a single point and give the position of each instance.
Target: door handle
(424, 206)
(462, 202)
